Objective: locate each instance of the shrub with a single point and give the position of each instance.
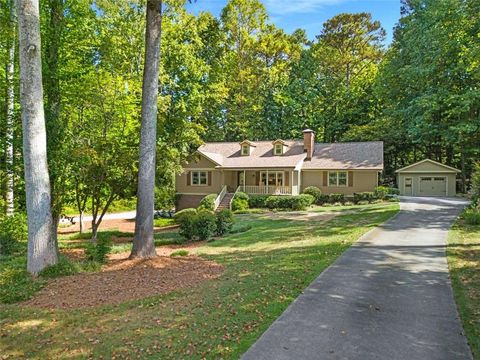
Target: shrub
(205, 224)
(208, 202)
(336, 198)
(179, 253)
(224, 222)
(98, 251)
(472, 216)
(314, 191)
(13, 231)
(323, 199)
(298, 202)
(63, 267)
(240, 201)
(476, 181)
(363, 202)
(363, 196)
(258, 201)
(185, 212)
(381, 192)
(393, 191)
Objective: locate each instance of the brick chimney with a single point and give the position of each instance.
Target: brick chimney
(309, 142)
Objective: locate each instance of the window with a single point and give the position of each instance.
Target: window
(199, 178)
(245, 150)
(275, 178)
(337, 178)
(278, 149)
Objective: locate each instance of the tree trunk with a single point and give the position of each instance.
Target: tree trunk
(80, 220)
(9, 198)
(41, 244)
(143, 243)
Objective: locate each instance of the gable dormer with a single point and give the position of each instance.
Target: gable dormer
(279, 147)
(246, 147)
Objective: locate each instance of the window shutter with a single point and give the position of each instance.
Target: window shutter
(325, 178)
(286, 176)
(350, 179)
(209, 178)
(189, 178)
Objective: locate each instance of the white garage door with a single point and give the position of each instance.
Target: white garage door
(433, 186)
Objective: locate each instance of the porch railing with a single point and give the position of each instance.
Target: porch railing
(220, 197)
(266, 189)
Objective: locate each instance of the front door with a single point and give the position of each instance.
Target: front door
(408, 187)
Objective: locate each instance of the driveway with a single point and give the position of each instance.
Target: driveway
(387, 297)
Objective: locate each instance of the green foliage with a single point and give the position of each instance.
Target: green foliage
(366, 196)
(206, 224)
(381, 192)
(98, 251)
(13, 234)
(63, 267)
(185, 212)
(336, 198)
(240, 228)
(472, 216)
(476, 182)
(297, 202)
(208, 202)
(161, 222)
(314, 191)
(224, 222)
(179, 253)
(258, 201)
(240, 201)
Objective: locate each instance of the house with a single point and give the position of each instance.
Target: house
(427, 178)
(279, 167)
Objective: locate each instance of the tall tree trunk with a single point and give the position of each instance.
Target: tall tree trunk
(41, 243)
(9, 198)
(143, 243)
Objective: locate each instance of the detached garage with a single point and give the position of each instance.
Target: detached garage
(427, 178)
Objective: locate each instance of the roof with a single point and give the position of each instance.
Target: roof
(430, 169)
(350, 155)
(354, 155)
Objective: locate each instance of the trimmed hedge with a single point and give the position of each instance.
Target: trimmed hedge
(367, 196)
(381, 192)
(297, 202)
(203, 224)
(208, 202)
(224, 222)
(336, 198)
(314, 191)
(258, 201)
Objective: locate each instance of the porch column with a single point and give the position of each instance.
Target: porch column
(244, 180)
(267, 182)
(291, 183)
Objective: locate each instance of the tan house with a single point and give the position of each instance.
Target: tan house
(427, 178)
(280, 167)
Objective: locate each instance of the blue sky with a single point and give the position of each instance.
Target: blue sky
(311, 14)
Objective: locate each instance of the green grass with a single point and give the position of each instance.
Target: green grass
(265, 268)
(464, 263)
(117, 206)
(163, 222)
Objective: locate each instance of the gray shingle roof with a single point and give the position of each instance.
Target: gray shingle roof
(355, 155)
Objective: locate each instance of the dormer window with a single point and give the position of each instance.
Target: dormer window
(246, 147)
(279, 147)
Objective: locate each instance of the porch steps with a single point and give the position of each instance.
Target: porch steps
(225, 203)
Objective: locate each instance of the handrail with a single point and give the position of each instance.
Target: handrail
(220, 197)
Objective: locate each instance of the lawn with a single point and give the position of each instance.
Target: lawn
(464, 263)
(267, 263)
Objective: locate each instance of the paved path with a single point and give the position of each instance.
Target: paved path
(388, 297)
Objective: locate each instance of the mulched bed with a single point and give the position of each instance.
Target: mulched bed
(123, 280)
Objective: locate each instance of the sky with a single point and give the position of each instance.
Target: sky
(311, 14)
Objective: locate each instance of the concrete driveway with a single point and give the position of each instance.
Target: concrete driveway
(388, 297)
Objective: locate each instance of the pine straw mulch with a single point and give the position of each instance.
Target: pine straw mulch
(123, 280)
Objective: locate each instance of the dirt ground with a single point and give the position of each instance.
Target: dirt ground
(123, 280)
(124, 225)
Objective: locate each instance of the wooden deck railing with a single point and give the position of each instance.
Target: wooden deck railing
(266, 190)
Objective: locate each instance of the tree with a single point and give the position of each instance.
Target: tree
(41, 241)
(143, 242)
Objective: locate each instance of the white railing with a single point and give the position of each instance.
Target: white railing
(220, 197)
(266, 190)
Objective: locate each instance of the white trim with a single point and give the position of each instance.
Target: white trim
(337, 185)
(432, 171)
(199, 171)
(199, 194)
(432, 177)
(411, 186)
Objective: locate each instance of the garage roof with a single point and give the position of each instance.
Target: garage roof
(427, 166)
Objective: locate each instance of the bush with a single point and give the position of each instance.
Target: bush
(314, 191)
(187, 219)
(258, 201)
(363, 196)
(208, 202)
(323, 199)
(393, 191)
(381, 192)
(98, 251)
(336, 198)
(240, 201)
(206, 224)
(476, 181)
(363, 202)
(13, 231)
(298, 202)
(63, 267)
(185, 212)
(224, 222)
(472, 216)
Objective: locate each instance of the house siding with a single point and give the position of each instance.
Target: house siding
(216, 180)
(451, 181)
(363, 180)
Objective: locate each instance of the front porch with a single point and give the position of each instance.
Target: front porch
(263, 181)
